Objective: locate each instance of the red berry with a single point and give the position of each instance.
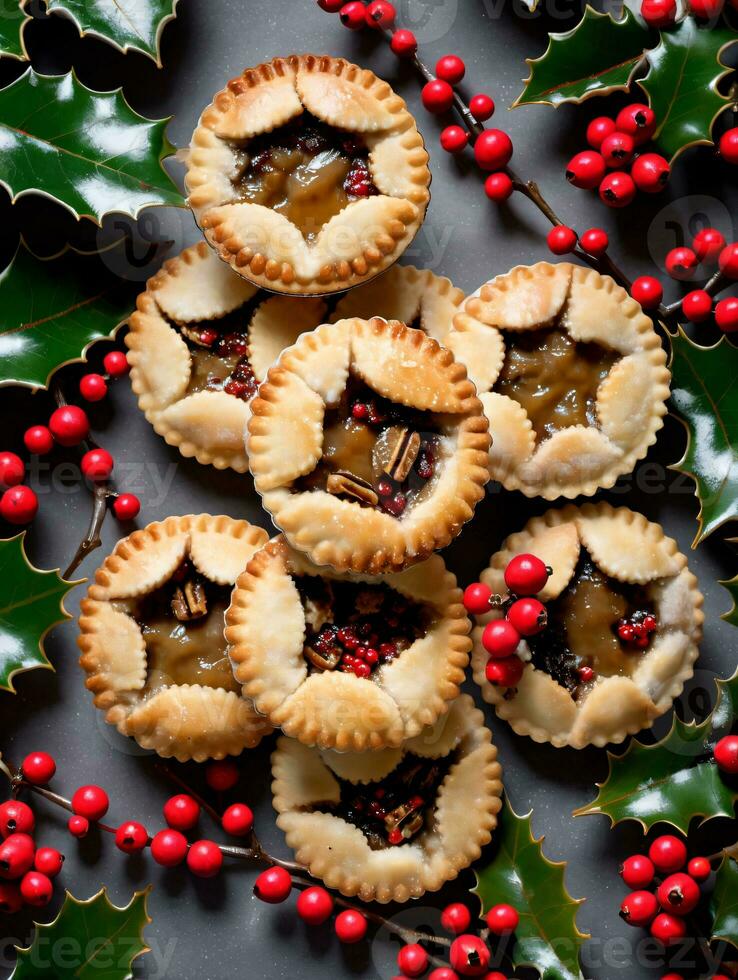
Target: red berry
(526, 575)
(469, 956)
(169, 848)
(668, 854)
(668, 929)
(637, 120)
(493, 149)
(502, 919)
(381, 14)
(650, 172)
(273, 885)
(617, 190)
(204, 859)
(454, 139)
(412, 960)
(38, 440)
(404, 44)
(678, 894)
(69, 425)
(726, 317)
(482, 107)
(353, 15)
(500, 639)
(595, 241)
(728, 261)
(18, 505)
(91, 802)
(446, 973)
(238, 820)
(38, 768)
(36, 889)
(729, 145)
(699, 868)
(586, 169)
(450, 68)
(659, 13)
(476, 598)
(637, 871)
(598, 130)
(16, 855)
(708, 244)
(350, 926)
(706, 9)
(48, 861)
(93, 387)
(504, 673)
(498, 187)
(131, 837)
(181, 812)
(12, 470)
(11, 900)
(726, 754)
(456, 918)
(639, 908)
(314, 906)
(115, 363)
(97, 464)
(16, 817)
(78, 826)
(647, 291)
(561, 240)
(437, 96)
(617, 149)
(528, 616)
(697, 305)
(126, 506)
(330, 6)
(221, 775)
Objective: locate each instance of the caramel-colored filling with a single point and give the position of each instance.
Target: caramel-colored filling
(306, 171)
(554, 378)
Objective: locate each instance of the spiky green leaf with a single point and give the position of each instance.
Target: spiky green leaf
(732, 615)
(13, 18)
(724, 902)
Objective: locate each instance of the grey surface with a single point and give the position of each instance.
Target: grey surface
(214, 929)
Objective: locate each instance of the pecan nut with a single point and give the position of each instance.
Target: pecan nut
(343, 484)
(404, 449)
(190, 601)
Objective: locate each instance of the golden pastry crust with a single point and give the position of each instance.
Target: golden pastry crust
(627, 548)
(359, 242)
(284, 442)
(335, 710)
(191, 288)
(631, 399)
(467, 804)
(187, 721)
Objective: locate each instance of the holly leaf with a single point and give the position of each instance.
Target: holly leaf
(547, 937)
(13, 18)
(126, 24)
(596, 57)
(703, 391)
(687, 62)
(31, 605)
(89, 151)
(96, 940)
(674, 780)
(724, 903)
(51, 310)
(732, 615)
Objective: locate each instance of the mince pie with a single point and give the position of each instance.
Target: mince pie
(572, 376)
(199, 344)
(391, 825)
(624, 619)
(152, 638)
(368, 445)
(346, 661)
(308, 175)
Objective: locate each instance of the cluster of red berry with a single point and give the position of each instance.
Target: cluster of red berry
(525, 615)
(614, 146)
(68, 426)
(662, 14)
(709, 248)
(664, 893)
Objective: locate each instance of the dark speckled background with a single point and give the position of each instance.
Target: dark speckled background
(208, 930)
